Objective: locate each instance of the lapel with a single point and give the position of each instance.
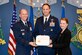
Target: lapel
(62, 35)
(42, 21)
(49, 18)
(22, 25)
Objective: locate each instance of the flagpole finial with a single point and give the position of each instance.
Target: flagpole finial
(31, 3)
(63, 2)
(46, 1)
(14, 2)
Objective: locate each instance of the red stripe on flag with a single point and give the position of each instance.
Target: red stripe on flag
(12, 45)
(13, 38)
(10, 51)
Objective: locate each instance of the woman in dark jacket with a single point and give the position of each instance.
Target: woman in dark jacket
(63, 42)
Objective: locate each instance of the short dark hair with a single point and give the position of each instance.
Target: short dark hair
(65, 19)
(46, 4)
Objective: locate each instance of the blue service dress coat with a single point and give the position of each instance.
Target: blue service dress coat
(63, 43)
(46, 29)
(23, 35)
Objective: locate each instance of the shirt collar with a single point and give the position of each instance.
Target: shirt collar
(47, 16)
(23, 21)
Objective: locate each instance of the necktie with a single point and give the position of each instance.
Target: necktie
(45, 24)
(45, 20)
(26, 24)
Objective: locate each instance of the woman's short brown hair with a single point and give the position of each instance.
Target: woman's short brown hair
(65, 19)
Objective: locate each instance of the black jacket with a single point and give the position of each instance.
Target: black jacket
(63, 43)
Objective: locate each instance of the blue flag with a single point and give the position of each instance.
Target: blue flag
(34, 51)
(63, 11)
(31, 19)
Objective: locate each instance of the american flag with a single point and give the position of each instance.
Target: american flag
(12, 41)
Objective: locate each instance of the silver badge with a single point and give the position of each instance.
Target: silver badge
(44, 30)
(30, 28)
(52, 23)
(51, 30)
(23, 33)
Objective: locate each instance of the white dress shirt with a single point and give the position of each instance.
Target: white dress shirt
(46, 17)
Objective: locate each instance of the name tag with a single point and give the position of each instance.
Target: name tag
(30, 28)
(23, 31)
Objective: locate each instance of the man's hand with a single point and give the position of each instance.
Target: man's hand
(50, 45)
(32, 44)
(50, 41)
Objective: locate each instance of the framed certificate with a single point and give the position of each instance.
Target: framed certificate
(42, 40)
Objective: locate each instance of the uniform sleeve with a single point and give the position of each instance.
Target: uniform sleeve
(57, 28)
(36, 32)
(56, 31)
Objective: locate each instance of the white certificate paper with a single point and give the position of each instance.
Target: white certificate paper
(42, 40)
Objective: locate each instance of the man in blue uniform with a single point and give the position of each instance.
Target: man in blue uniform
(23, 34)
(47, 25)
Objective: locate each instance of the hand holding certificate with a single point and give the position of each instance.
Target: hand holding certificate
(42, 40)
